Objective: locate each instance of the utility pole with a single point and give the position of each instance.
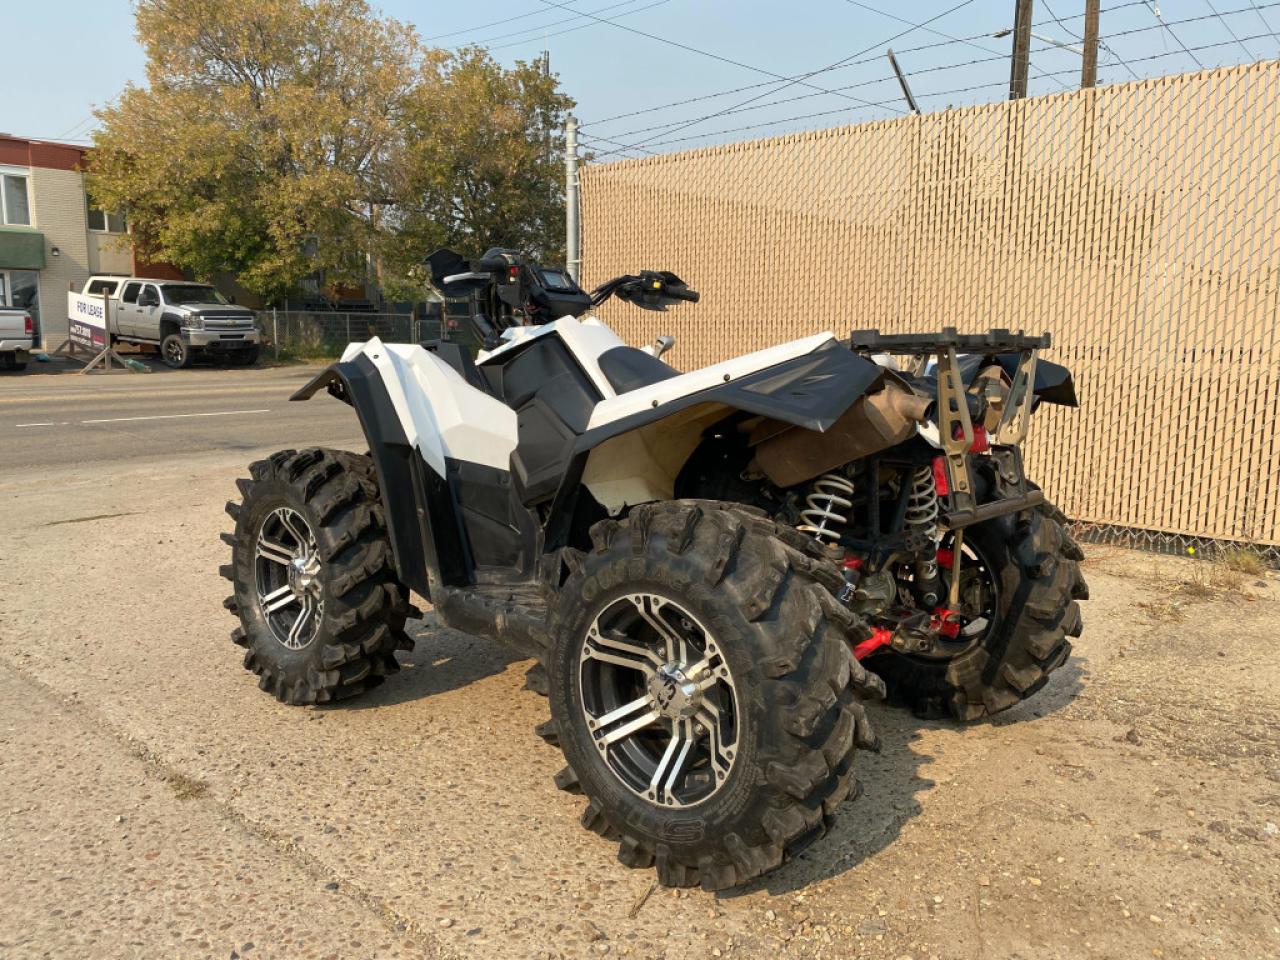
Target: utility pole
(572, 227)
(1089, 70)
(1021, 50)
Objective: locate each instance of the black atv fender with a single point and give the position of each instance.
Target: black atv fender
(423, 518)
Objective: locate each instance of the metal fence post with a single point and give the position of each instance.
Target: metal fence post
(275, 332)
(348, 328)
(573, 230)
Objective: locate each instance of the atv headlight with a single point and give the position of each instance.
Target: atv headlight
(193, 322)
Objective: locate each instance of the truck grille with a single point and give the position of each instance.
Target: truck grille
(234, 321)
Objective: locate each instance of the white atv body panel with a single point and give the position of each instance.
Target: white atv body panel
(442, 415)
(446, 418)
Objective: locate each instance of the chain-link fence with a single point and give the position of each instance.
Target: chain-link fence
(308, 334)
(1140, 223)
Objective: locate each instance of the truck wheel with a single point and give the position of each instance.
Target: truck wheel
(321, 611)
(175, 352)
(703, 691)
(1019, 582)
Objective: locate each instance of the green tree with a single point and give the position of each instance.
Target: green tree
(275, 139)
(482, 159)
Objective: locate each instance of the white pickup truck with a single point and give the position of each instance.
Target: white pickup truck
(179, 318)
(16, 332)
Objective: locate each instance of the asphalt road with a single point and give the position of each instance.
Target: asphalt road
(74, 420)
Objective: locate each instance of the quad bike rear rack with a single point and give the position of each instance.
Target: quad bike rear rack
(955, 427)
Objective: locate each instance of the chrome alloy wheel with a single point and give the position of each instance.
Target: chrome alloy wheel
(287, 565)
(174, 352)
(659, 700)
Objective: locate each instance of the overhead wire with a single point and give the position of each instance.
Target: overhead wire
(672, 126)
(705, 53)
(829, 67)
(1227, 27)
(933, 95)
(495, 23)
(938, 33)
(1155, 12)
(536, 35)
(854, 63)
(1102, 44)
(1265, 25)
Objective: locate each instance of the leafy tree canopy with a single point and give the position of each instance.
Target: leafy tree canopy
(279, 138)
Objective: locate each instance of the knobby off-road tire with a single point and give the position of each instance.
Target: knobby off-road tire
(785, 642)
(1034, 564)
(359, 609)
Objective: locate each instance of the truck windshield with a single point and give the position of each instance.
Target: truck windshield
(182, 293)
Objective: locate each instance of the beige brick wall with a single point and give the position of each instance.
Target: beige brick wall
(57, 199)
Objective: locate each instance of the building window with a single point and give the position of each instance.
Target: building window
(14, 207)
(103, 222)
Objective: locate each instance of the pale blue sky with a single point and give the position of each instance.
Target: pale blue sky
(72, 55)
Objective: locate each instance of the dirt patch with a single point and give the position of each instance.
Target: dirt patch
(1128, 810)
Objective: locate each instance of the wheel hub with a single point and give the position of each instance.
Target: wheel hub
(659, 700)
(674, 693)
(290, 592)
(301, 579)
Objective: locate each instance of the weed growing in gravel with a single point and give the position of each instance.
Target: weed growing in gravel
(1243, 560)
(186, 788)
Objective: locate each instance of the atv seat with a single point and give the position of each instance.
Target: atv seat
(629, 368)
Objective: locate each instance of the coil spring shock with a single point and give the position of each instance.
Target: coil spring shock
(829, 495)
(922, 516)
(922, 505)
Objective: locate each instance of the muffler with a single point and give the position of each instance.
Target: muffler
(874, 422)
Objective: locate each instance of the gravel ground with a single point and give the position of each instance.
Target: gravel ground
(154, 803)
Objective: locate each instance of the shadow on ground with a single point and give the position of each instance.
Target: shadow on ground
(441, 660)
(891, 785)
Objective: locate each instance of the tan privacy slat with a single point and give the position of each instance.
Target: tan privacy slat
(1140, 223)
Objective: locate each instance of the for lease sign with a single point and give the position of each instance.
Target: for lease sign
(87, 320)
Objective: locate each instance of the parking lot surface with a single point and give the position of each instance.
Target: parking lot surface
(153, 802)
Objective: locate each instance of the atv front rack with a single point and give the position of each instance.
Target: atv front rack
(955, 427)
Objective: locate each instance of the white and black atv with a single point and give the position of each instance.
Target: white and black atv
(710, 568)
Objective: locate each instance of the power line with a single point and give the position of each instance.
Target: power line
(761, 106)
(854, 63)
(704, 53)
(829, 67)
(495, 23)
(766, 123)
(939, 33)
(1155, 12)
(941, 93)
(1266, 26)
(76, 128)
(617, 143)
(1102, 44)
(583, 26)
(542, 28)
(863, 83)
(1227, 26)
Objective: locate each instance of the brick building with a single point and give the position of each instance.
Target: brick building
(50, 237)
